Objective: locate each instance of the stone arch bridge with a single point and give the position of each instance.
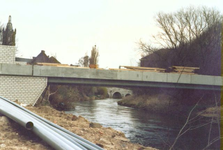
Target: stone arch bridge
(114, 92)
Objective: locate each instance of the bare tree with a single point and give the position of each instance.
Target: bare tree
(215, 117)
(84, 61)
(182, 26)
(190, 33)
(94, 56)
(45, 98)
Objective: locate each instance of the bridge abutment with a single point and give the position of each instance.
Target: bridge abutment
(24, 89)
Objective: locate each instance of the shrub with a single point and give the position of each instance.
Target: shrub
(102, 91)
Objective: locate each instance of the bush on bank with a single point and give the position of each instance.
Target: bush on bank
(170, 101)
(63, 97)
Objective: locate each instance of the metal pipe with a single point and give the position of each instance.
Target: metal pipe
(72, 139)
(54, 139)
(79, 139)
(15, 115)
(42, 125)
(82, 144)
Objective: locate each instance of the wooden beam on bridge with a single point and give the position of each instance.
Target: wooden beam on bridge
(144, 68)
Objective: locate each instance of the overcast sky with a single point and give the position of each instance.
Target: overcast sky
(68, 29)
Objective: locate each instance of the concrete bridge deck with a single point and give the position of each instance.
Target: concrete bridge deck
(118, 78)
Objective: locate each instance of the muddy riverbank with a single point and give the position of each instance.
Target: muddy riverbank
(13, 136)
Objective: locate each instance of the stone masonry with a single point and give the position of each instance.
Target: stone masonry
(7, 54)
(123, 92)
(25, 89)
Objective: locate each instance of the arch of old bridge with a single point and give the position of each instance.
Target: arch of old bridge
(123, 92)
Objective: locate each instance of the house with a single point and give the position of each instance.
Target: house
(43, 58)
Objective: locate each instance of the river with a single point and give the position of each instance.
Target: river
(153, 130)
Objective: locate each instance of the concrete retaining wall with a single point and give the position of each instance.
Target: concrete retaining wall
(26, 90)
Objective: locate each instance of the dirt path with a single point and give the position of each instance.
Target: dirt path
(15, 137)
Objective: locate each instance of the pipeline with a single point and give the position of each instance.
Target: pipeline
(54, 135)
(14, 114)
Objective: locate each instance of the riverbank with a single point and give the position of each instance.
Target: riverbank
(158, 104)
(162, 103)
(13, 136)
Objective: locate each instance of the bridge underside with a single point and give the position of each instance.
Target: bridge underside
(128, 83)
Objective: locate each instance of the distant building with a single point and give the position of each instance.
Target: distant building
(7, 35)
(43, 58)
(22, 61)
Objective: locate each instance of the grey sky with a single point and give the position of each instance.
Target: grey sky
(68, 29)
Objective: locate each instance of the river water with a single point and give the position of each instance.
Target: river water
(153, 130)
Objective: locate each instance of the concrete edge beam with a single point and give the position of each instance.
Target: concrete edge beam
(15, 69)
(122, 83)
(178, 78)
(118, 75)
(51, 71)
